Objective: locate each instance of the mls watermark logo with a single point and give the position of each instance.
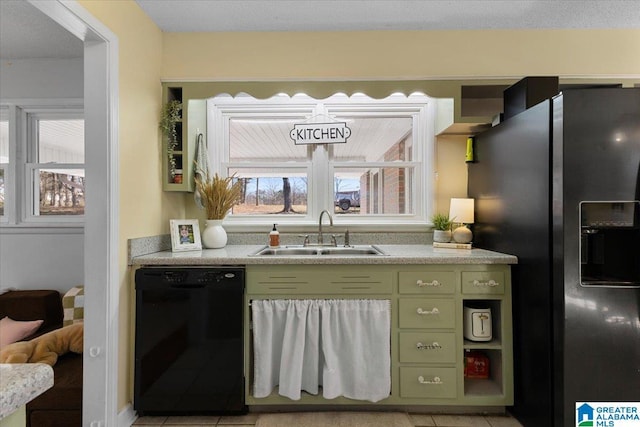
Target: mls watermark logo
(607, 414)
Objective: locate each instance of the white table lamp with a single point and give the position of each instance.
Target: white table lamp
(461, 212)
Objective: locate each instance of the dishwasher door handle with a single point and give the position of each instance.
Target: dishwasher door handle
(188, 286)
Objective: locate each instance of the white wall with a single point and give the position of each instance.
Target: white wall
(41, 261)
(41, 78)
(41, 258)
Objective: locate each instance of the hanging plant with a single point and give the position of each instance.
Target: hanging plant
(169, 116)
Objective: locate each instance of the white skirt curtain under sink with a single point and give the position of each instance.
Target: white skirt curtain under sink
(341, 345)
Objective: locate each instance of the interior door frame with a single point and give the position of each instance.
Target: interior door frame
(100, 358)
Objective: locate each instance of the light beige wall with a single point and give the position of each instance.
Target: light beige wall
(144, 208)
(451, 168)
(400, 54)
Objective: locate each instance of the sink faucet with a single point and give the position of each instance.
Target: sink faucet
(320, 238)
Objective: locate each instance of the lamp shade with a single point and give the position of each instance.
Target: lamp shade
(461, 211)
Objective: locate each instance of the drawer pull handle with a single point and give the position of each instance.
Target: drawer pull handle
(435, 380)
(422, 312)
(422, 284)
(491, 283)
(433, 346)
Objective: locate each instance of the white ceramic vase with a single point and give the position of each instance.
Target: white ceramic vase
(214, 236)
(462, 235)
(441, 236)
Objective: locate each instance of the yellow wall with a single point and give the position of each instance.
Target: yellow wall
(147, 56)
(144, 208)
(400, 55)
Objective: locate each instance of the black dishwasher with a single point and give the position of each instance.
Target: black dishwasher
(189, 340)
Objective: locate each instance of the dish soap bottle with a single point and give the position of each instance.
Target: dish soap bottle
(274, 237)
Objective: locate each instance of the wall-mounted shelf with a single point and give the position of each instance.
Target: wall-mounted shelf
(184, 150)
(475, 109)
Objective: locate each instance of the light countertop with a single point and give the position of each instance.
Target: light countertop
(21, 383)
(396, 254)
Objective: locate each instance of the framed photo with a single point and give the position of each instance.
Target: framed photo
(185, 235)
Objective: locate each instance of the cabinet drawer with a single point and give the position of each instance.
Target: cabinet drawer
(298, 280)
(426, 282)
(428, 382)
(427, 347)
(357, 282)
(426, 313)
(278, 281)
(483, 282)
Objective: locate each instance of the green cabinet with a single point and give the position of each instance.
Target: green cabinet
(192, 124)
(427, 282)
(427, 313)
(428, 347)
(328, 280)
(428, 383)
(483, 282)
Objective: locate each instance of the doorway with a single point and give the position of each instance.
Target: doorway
(101, 219)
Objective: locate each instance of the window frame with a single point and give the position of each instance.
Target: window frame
(5, 112)
(21, 198)
(420, 107)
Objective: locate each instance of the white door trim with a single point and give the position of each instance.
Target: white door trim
(101, 270)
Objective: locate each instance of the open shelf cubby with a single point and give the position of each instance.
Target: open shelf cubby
(491, 385)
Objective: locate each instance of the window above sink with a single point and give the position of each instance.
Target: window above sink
(382, 174)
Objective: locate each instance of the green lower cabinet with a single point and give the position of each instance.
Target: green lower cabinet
(428, 346)
(427, 282)
(486, 282)
(427, 313)
(428, 382)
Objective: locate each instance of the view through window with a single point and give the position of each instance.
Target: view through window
(4, 156)
(377, 174)
(58, 171)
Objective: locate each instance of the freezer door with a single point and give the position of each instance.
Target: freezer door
(597, 159)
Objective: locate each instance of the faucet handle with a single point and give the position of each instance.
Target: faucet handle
(334, 242)
(306, 239)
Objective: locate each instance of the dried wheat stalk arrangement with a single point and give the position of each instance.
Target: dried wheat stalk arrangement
(219, 195)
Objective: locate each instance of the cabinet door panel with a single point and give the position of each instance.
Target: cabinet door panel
(483, 282)
(330, 280)
(430, 382)
(427, 313)
(426, 282)
(427, 347)
(358, 282)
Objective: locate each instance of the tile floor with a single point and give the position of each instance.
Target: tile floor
(419, 420)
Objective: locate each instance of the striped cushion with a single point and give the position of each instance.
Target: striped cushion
(73, 305)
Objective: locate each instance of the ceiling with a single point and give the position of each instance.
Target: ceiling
(350, 15)
(25, 33)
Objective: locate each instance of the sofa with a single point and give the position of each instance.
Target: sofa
(61, 405)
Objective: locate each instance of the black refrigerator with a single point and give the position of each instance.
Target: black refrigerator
(558, 185)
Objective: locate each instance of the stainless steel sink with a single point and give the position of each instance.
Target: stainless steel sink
(352, 250)
(318, 251)
(286, 251)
